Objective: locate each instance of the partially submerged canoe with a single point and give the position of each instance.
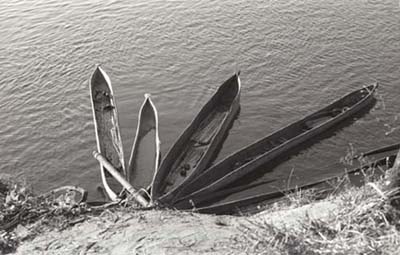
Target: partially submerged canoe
(373, 163)
(267, 149)
(145, 156)
(198, 144)
(107, 130)
(66, 195)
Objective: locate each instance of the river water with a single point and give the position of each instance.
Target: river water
(294, 57)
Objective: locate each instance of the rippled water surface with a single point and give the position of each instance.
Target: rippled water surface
(294, 57)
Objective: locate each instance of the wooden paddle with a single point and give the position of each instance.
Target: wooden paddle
(139, 198)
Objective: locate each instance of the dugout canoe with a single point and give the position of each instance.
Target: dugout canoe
(107, 130)
(269, 148)
(67, 195)
(145, 155)
(373, 163)
(199, 142)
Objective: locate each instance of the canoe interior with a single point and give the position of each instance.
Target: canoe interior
(228, 202)
(107, 128)
(145, 152)
(256, 152)
(191, 152)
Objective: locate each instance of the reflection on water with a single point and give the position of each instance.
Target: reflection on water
(295, 56)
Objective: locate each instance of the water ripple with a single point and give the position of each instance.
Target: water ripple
(295, 56)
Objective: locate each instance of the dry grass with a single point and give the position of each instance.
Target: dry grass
(24, 215)
(365, 224)
(20, 207)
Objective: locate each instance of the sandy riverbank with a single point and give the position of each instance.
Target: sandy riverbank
(355, 221)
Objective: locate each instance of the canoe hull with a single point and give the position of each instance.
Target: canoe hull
(107, 130)
(255, 156)
(145, 156)
(324, 187)
(196, 147)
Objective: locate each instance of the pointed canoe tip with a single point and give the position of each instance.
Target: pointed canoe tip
(238, 73)
(97, 69)
(147, 95)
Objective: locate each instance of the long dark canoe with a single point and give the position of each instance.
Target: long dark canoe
(198, 144)
(107, 130)
(269, 148)
(374, 162)
(145, 156)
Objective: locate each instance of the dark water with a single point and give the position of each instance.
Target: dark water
(294, 56)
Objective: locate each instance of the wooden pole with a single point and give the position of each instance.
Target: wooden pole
(141, 200)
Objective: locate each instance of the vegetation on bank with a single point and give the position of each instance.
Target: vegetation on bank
(20, 207)
(364, 222)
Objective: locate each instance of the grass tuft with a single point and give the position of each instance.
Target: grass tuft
(365, 224)
(20, 207)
